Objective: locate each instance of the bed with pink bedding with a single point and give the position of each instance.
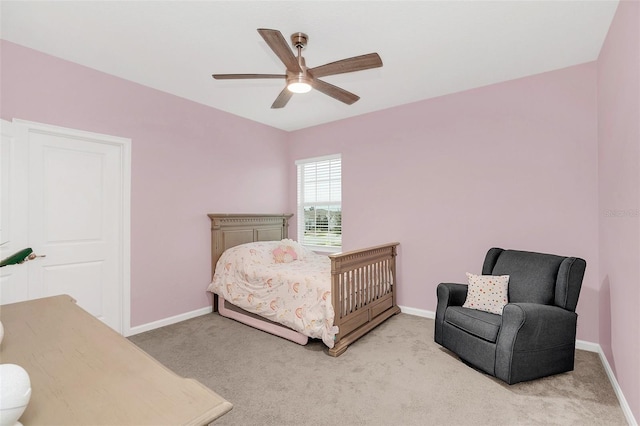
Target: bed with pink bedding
(265, 280)
(281, 281)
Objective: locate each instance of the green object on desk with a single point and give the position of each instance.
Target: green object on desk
(16, 258)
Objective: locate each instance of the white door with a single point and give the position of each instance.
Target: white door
(75, 211)
(13, 226)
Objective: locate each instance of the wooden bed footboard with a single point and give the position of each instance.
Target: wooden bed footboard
(362, 291)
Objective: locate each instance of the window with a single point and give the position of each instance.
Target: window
(320, 202)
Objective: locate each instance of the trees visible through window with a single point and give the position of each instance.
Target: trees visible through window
(320, 201)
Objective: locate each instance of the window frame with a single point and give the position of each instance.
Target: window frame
(301, 204)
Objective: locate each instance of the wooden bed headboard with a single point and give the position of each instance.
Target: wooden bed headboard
(230, 230)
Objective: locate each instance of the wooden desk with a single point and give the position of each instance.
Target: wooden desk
(82, 372)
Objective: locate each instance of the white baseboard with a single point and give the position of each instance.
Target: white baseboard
(588, 346)
(628, 414)
(594, 347)
(417, 312)
(580, 344)
(168, 321)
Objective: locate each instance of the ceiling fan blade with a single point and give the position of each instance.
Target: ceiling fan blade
(246, 76)
(279, 45)
(357, 63)
(334, 91)
(282, 98)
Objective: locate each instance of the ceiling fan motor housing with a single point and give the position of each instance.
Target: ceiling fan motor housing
(299, 40)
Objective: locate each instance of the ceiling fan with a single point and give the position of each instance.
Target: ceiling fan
(301, 79)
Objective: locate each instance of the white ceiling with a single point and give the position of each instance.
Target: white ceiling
(429, 48)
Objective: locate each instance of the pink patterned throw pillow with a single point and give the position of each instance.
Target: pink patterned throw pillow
(487, 293)
(284, 254)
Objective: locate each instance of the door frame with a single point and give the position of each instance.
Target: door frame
(21, 129)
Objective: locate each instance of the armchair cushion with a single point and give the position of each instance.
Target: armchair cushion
(481, 324)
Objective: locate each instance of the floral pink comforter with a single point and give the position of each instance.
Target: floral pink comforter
(281, 281)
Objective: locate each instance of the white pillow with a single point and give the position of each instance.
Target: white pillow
(487, 293)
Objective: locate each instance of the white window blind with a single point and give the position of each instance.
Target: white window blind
(320, 201)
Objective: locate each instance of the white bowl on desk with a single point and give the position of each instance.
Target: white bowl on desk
(15, 392)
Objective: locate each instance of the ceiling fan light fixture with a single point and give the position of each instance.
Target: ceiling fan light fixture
(299, 87)
(298, 84)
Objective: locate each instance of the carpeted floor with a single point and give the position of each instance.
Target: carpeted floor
(396, 375)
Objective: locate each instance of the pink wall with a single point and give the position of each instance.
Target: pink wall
(619, 191)
(511, 165)
(187, 160)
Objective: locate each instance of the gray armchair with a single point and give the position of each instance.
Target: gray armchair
(536, 334)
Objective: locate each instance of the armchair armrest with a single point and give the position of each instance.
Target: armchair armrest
(530, 326)
(452, 294)
(449, 294)
(535, 332)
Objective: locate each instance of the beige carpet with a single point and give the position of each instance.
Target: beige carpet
(396, 375)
